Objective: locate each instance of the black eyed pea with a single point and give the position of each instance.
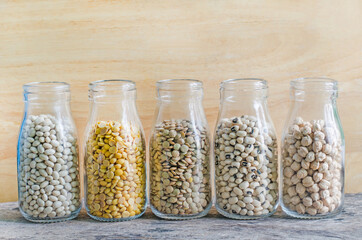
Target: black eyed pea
(252, 162)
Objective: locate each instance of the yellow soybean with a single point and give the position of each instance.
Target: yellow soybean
(115, 170)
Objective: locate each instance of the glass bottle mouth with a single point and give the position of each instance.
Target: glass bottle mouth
(314, 84)
(244, 84)
(35, 87)
(112, 84)
(179, 84)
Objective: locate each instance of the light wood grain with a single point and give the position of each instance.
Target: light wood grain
(83, 41)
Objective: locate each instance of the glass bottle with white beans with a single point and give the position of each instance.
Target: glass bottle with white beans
(312, 166)
(245, 150)
(48, 169)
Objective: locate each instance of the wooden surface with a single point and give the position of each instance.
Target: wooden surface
(211, 40)
(347, 225)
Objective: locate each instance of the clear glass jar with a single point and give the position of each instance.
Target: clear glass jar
(246, 152)
(114, 160)
(179, 152)
(48, 172)
(313, 151)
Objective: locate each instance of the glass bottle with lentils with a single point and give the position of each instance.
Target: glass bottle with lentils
(115, 174)
(245, 147)
(179, 152)
(313, 151)
(48, 169)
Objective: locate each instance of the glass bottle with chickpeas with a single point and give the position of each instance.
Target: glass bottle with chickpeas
(313, 151)
(115, 172)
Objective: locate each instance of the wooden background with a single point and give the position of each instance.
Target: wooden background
(82, 41)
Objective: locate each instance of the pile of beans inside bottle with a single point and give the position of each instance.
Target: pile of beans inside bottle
(180, 180)
(115, 171)
(312, 167)
(48, 170)
(246, 167)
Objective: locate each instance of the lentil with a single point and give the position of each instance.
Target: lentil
(180, 182)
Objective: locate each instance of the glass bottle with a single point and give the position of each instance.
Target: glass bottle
(246, 152)
(115, 171)
(179, 152)
(313, 151)
(47, 156)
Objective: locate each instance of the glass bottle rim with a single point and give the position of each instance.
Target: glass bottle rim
(174, 84)
(46, 86)
(244, 83)
(116, 84)
(314, 83)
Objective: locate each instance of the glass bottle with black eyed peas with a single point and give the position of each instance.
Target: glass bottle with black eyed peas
(179, 152)
(245, 150)
(313, 151)
(115, 171)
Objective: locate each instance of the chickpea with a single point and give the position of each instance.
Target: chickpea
(312, 168)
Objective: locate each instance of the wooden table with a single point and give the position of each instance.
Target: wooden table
(347, 225)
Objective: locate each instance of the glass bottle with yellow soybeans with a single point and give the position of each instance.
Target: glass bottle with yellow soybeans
(115, 172)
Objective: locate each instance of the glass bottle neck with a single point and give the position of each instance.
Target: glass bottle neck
(119, 106)
(181, 106)
(236, 105)
(318, 90)
(112, 97)
(314, 105)
(244, 90)
(314, 99)
(55, 104)
(179, 91)
(243, 97)
(112, 100)
(313, 96)
(180, 99)
(177, 97)
(47, 93)
(47, 98)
